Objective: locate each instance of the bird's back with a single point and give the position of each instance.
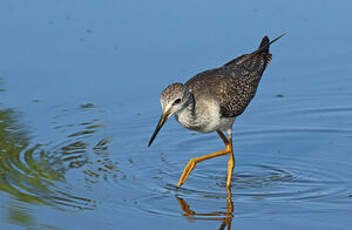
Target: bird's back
(234, 84)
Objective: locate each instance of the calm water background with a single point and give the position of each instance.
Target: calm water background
(79, 86)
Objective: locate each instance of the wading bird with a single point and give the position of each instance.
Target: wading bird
(211, 101)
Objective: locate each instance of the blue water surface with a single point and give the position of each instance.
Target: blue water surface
(80, 83)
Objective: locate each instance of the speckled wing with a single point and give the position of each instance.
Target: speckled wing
(234, 84)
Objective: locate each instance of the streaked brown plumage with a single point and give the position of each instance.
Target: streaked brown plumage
(211, 100)
(235, 83)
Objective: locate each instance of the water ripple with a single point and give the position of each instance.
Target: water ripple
(264, 172)
(37, 173)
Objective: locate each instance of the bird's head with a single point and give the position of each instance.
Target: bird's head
(173, 99)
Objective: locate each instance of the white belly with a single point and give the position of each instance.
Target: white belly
(207, 119)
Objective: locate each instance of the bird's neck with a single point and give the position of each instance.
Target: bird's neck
(187, 115)
(190, 105)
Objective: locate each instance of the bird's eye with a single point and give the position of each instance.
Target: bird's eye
(177, 101)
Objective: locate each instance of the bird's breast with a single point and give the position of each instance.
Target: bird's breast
(204, 118)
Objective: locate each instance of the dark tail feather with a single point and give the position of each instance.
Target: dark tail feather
(263, 48)
(264, 45)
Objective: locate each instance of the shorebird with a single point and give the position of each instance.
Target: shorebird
(211, 101)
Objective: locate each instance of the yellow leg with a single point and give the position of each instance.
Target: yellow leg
(193, 162)
(230, 163)
(223, 137)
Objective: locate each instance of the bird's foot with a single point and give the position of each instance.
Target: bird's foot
(193, 162)
(188, 169)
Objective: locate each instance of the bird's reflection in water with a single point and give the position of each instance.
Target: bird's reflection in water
(224, 217)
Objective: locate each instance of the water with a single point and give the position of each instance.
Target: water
(80, 85)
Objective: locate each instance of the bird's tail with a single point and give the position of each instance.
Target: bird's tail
(263, 49)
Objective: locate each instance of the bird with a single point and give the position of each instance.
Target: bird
(213, 99)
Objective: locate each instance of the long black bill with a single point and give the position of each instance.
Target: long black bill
(161, 122)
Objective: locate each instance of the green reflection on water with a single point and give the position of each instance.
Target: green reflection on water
(31, 173)
(35, 174)
(20, 215)
(17, 178)
(1, 89)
